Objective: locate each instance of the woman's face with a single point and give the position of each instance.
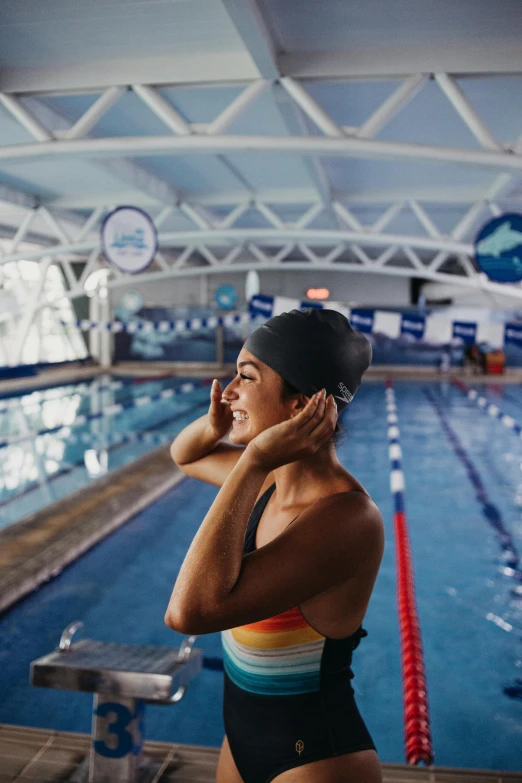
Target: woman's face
(254, 397)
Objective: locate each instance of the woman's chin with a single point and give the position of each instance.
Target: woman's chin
(239, 435)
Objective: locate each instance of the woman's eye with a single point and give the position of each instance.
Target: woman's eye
(246, 377)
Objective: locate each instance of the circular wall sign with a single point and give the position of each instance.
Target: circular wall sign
(498, 248)
(226, 296)
(129, 239)
(132, 301)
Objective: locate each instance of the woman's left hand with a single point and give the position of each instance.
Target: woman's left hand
(298, 437)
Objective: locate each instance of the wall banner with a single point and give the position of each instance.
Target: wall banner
(414, 325)
(362, 320)
(465, 331)
(513, 334)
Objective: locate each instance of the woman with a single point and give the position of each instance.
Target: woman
(285, 561)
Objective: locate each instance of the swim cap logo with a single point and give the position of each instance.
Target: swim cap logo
(347, 396)
(299, 746)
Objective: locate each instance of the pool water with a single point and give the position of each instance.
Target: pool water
(459, 464)
(38, 470)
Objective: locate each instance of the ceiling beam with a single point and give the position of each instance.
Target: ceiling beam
(97, 75)
(400, 60)
(18, 198)
(218, 237)
(215, 145)
(439, 197)
(256, 37)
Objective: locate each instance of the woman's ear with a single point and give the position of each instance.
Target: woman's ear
(299, 402)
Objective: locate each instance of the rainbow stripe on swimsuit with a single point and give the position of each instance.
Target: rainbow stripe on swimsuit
(274, 657)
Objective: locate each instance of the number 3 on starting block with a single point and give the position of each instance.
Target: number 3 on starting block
(123, 732)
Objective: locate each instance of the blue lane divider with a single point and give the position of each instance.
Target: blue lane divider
(511, 398)
(81, 388)
(512, 565)
(115, 438)
(394, 452)
(109, 410)
(179, 325)
(489, 408)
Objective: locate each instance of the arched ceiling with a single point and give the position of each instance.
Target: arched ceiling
(376, 134)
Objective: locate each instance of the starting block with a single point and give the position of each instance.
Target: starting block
(123, 678)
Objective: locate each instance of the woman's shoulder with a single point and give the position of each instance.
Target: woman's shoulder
(344, 482)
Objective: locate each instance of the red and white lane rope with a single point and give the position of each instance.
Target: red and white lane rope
(417, 733)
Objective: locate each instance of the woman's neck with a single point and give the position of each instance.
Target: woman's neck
(302, 480)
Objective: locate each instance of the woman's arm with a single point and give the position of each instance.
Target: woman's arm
(334, 540)
(331, 542)
(213, 562)
(195, 441)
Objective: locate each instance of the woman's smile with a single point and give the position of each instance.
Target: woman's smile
(240, 417)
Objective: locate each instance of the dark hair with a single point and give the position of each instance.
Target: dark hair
(287, 390)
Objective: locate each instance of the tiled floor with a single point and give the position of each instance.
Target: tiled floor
(43, 756)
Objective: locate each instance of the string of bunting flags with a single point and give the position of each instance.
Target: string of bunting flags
(179, 325)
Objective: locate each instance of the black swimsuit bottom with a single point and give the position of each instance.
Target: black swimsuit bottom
(269, 734)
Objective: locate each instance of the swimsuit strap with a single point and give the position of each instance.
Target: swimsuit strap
(255, 516)
(250, 537)
(359, 634)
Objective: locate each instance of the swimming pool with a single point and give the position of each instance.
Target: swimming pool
(463, 473)
(37, 470)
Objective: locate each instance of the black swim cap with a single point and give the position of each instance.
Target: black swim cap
(312, 349)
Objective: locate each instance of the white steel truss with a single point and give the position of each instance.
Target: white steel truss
(332, 140)
(217, 246)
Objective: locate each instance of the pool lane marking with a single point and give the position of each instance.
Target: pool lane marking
(512, 567)
(108, 410)
(489, 407)
(417, 731)
(80, 388)
(85, 388)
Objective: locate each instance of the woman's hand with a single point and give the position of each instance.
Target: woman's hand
(220, 416)
(298, 437)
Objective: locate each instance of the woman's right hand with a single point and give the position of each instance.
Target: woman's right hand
(220, 416)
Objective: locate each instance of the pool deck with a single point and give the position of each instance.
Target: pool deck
(375, 372)
(158, 370)
(39, 546)
(45, 756)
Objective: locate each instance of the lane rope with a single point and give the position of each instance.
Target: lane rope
(489, 408)
(109, 410)
(58, 393)
(512, 566)
(149, 436)
(417, 732)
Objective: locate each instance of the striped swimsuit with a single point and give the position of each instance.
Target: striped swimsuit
(288, 699)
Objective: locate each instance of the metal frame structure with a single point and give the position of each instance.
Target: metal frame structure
(216, 244)
(335, 140)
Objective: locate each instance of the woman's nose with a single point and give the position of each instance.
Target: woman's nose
(229, 391)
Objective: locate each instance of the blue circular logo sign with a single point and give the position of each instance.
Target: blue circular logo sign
(226, 296)
(129, 239)
(498, 248)
(132, 301)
